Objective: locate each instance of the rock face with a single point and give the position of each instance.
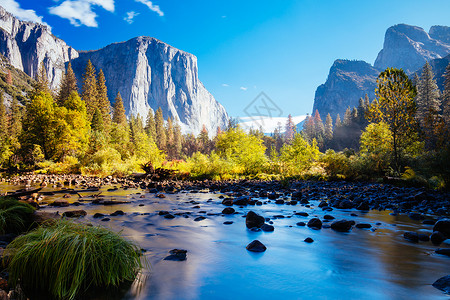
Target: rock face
(27, 44)
(150, 74)
(347, 81)
(405, 46)
(409, 47)
(147, 72)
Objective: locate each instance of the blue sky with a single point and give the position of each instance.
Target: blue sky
(283, 48)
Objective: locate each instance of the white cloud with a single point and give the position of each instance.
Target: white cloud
(80, 12)
(152, 6)
(225, 85)
(130, 16)
(243, 88)
(23, 14)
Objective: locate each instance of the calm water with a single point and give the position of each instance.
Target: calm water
(362, 264)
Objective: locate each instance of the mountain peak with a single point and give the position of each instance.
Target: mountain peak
(408, 47)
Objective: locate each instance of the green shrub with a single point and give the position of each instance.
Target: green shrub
(15, 216)
(66, 258)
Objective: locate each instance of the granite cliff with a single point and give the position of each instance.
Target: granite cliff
(405, 46)
(147, 72)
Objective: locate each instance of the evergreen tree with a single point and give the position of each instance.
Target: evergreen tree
(119, 116)
(150, 124)
(161, 138)
(97, 123)
(103, 101)
(9, 79)
(338, 122)
(204, 141)
(348, 117)
(41, 83)
(328, 128)
(290, 129)
(3, 118)
(68, 85)
(170, 138)
(428, 105)
(90, 92)
(177, 140)
(396, 107)
(318, 124)
(446, 97)
(15, 119)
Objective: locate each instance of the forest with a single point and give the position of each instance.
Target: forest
(403, 133)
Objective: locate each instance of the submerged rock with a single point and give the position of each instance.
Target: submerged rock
(256, 246)
(411, 236)
(177, 255)
(443, 251)
(267, 228)
(443, 284)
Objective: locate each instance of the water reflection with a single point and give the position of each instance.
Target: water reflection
(362, 264)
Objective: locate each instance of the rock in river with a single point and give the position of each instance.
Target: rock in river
(443, 226)
(254, 220)
(315, 223)
(443, 284)
(74, 214)
(267, 228)
(176, 255)
(443, 251)
(228, 211)
(411, 236)
(256, 246)
(342, 225)
(437, 238)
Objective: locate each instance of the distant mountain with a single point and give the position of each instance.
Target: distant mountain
(409, 47)
(405, 46)
(147, 72)
(347, 81)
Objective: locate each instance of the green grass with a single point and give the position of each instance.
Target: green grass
(66, 259)
(15, 216)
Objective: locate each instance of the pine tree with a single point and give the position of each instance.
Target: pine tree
(103, 101)
(9, 79)
(446, 97)
(170, 138)
(204, 141)
(290, 129)
(90, 93)
(15, 120)
(348, 117)
(177, 139)
(119, 116)
(150, 124)
(318, 124)
(68, 85)
(338, 122)
(97, 123)
(41, 84)
(328, 128)
(3, 119)
(428, 106)
(161, 138)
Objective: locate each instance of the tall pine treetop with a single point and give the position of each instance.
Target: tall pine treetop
(119, 116)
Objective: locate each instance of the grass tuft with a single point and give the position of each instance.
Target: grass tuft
(66, 259)
(15, 216)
